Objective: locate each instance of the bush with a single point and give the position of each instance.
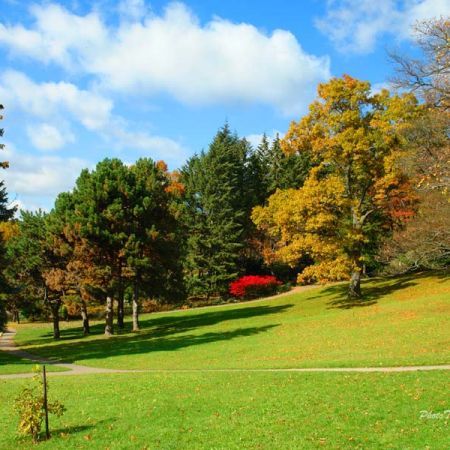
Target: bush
(29, 404)
(252, 286)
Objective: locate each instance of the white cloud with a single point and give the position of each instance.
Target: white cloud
(58, 35)
(174, 53)
(133, 10)
(376, 88)
(35, 180)
(47, 137)
(255, 139)
(356, 25)
(56, 102)
(158, 147)
(51, 99)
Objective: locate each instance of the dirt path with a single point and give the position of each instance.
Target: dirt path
(7, 345)
(294, 290)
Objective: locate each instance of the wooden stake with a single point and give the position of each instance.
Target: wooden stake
(44, 376)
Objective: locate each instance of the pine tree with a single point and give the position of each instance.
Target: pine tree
(33, 263)
(6, 213)
(153, 248)
(278, 170)
(101, 215)
(216, 212)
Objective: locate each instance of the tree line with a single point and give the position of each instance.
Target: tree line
(357, 186)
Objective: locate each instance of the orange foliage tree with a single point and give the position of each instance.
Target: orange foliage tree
(356, 191)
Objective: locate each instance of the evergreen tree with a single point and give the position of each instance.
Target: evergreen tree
(216, 213)
(32, 264)
(269, 169)
(153, 247)
(101, 216)
(76, 256)
(123, 232)
(6, 213)
(278, 170)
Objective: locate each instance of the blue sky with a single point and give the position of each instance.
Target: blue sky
(82, 80)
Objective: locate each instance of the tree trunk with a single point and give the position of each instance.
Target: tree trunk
(136, 308)
(120, 310)
(54, 306)
(85, 318)
(354, 290)
(109, 320)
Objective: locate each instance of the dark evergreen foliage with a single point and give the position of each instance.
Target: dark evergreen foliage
(6, 213)
(216, 210)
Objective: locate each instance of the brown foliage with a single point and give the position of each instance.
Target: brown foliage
(425, 242)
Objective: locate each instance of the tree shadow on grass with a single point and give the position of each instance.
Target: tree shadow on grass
(168, 324)
(71, 429)
(164, 333)
(138, 344)
(372, 291)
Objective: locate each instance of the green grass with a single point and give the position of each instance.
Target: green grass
(402, 321)
(12, 364)
(240, 411)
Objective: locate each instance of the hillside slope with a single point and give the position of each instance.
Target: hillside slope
(402, 321)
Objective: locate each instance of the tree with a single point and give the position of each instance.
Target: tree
(120, 231)
(76, 256)
(101, 208)
(278, 169)
(356, 192)
(428, 158)
(216, 214)
(428, 77)
(153, 246)
(33, 264)
(425, 241)
(6, 213)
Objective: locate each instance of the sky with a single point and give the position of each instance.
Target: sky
(84, 80)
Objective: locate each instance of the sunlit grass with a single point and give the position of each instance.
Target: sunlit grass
(402, 321)
(12, 364)
(240, 411)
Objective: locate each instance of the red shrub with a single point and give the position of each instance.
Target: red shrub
(254, 286)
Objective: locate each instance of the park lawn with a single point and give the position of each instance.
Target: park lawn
(12, 364)
(240, 411)
(402, 321)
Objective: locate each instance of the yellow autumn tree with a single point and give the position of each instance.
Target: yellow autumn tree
(356, 192)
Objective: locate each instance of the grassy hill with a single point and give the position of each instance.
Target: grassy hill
(401, 321)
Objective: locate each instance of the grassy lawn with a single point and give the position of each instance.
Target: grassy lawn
(240, 411)
(12, 364)
(402, 321)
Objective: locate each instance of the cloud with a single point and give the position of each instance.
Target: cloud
(133, 10)
(47, 137)
(35, 180)
(255, 139)
(159, 147)
(376, 88)
(57, 37)
(174, 53)
(62, 101)
(355, 25)
(50, 99)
